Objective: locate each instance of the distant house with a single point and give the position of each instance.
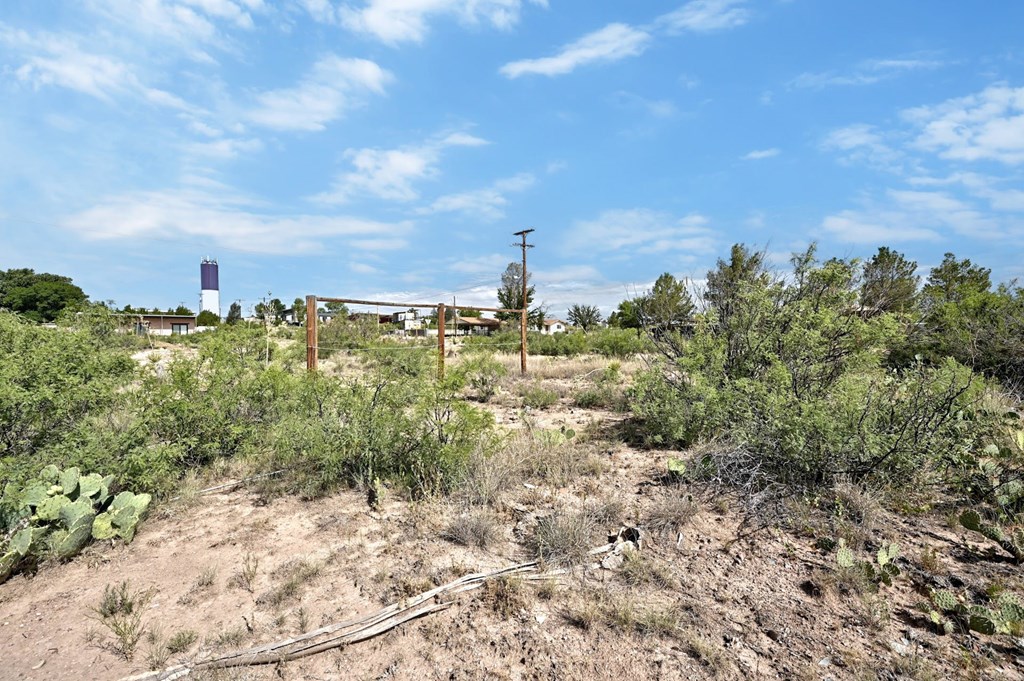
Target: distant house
(407, 320)
(477, 326)
(553, 326)
(165, 324)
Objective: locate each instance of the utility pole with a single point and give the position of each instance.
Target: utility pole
(523, 314)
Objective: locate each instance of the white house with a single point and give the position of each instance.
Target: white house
(553, 326)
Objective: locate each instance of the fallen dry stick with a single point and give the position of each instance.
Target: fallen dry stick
(350, 631)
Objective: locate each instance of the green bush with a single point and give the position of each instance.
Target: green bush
(793, 379)
(536, 396)
(482, 373)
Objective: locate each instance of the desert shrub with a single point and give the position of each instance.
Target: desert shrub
(620, 343)
(51, 380)
(602, 391)
(557, 344)
(411, 429)
(791, 375)
(537, 396)
(482, 373)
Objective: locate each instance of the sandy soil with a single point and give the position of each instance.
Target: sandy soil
(758, 606)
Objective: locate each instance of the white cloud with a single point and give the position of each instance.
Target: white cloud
(618, 41)
(912, 215)
(486, 204)
(641, 231)
(759, 154)
(333, 86)
(391, 174)
(862, 143)
(865, 73)
(611, 43)
(703, 16)
(59, 61)
(191, 26)
(230, 221)
(397, 21)
(363, 268)
(224, 149)
(984, 126)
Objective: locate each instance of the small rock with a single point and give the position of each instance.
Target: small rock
(613, 562)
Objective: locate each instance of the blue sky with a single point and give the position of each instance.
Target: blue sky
(389, 148)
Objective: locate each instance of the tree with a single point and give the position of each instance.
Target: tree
(954, 281)
(340, 309)
(727, 281)
(234, 314)
(183, 311)
(207, 318)
(299, 311)
(39, 297)
(585, 317)
(627, 316)
(510, 297)
(469, 312)
(889, 283)
(667, 306)
(272, 311)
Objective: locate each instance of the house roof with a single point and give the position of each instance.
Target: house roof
(549, 322)
(479, 321)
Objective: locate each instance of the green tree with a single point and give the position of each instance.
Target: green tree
(39, 297)
(234, 313)
(889, 282)
(299, 310)
(183, 311)
(627, 316)
(726, 282)
(207, 318)
(510, 297)
(272, 311)
(667, 306)
(469, 312)
(586, 317)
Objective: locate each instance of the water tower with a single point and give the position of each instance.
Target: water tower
(210, 298)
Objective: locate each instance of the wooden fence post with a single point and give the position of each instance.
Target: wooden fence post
(442, 326)
(312, 346)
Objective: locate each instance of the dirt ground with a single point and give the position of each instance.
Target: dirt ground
(232, 569)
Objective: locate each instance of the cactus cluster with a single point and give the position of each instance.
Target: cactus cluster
(1012, 541)
(883, 571)
(61, 511)
(1006, 616)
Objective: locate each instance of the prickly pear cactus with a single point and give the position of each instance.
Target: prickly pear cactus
(944, 600)
(844, 555)
(122, 518)
(1012, 543)
(60, 511)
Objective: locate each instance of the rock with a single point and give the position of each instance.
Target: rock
(613, 561)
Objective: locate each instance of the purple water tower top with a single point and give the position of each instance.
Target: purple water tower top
(208, 274)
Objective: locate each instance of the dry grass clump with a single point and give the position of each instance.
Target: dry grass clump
(528, 455)
(670, 513)
(858, 514)
(505, 595)
(639, 569)
(475, 528)
(606, 510)
(564, 537)
(294, 575)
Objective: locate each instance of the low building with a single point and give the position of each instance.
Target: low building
(477, 326)
(553, 326)
(165, 324)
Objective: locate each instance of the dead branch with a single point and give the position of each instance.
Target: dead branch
(354, 630)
